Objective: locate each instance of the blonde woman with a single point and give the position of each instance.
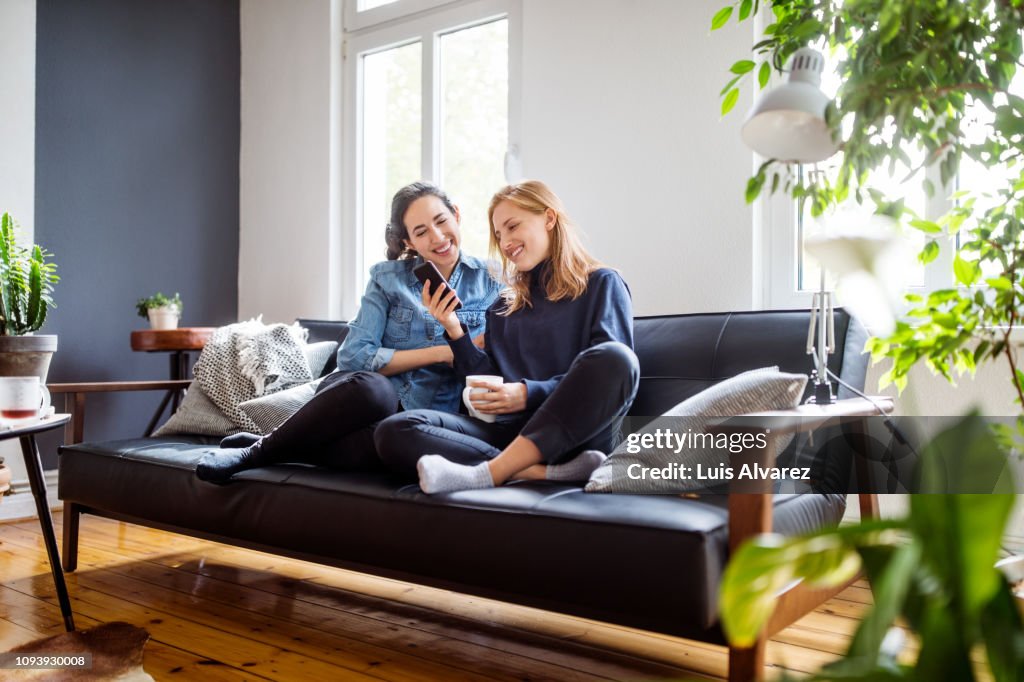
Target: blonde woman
(561, 336)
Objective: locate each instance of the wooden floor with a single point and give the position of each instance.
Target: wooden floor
(220, 613)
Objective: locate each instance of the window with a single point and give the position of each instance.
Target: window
(789, 274)
(426, 97)
(361, 14)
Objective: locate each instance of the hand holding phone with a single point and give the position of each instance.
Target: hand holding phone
(428, 272)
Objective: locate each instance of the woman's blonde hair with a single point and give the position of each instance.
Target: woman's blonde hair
(571, 265)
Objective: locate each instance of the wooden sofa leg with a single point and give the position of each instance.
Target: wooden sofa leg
(747, 665)
(69, 557)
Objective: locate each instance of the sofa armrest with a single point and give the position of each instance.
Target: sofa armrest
(750, 501)
(74, 399)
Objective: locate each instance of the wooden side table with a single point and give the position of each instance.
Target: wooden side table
(751, 504)
(179, 343)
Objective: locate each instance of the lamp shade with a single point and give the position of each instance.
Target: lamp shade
(788, 122)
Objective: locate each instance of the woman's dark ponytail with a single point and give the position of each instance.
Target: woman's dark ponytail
(396, 232)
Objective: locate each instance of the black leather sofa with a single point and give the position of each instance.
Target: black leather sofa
(652, 562)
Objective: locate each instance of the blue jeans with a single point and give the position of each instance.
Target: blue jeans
(584, 412)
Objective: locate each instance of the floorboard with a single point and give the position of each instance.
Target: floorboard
(222, 613)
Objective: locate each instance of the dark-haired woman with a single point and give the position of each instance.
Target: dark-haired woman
(562, 339)
(394, 356)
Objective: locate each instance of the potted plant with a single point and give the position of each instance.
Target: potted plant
(26, 282)
(163, 312)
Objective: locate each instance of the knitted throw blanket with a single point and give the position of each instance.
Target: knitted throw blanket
(246, 360)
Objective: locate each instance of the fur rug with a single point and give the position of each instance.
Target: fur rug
(116, 650)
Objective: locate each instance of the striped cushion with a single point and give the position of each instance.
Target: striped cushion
(758, 390)
(270, 411)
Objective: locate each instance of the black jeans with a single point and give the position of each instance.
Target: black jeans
(335, 428)
(584, 412)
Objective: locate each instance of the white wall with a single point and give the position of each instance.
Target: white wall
(619, 113)
(620, 116)
(17, 120)
(285, 241)
(18, 137)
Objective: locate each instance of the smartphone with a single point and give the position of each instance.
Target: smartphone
(428, 272)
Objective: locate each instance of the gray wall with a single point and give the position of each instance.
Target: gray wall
(137, 140)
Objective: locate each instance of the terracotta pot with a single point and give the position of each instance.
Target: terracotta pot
(25, 356)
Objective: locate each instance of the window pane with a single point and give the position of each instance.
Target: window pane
(364, 5)
(474, 123)
(984, 179)
(391, 115)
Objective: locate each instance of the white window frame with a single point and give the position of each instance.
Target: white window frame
(775, 227)
(356, 19)
(427, 24)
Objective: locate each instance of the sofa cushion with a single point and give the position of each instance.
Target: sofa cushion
(756, 390)
(642, 560)
(197, 415)
(318, 354)
(270, 411)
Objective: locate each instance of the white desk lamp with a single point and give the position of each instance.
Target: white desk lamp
(788, 123)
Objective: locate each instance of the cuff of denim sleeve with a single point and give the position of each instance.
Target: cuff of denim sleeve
(538, 391)
(381, 358)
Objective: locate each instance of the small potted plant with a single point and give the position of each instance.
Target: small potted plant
(163, 312)
(26, 282)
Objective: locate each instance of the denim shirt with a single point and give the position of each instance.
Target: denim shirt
(392, 317)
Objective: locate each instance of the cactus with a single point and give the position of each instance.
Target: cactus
(26, 282)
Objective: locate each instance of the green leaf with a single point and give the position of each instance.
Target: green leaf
(728, 86)
(929, 253)
(743, 66)
(764, 565)
(721, 17)
(967, 272)
(763, 74)
(926, 226)
(730, 101)
(1000, 283)
(754, 186)
(745, 8)
(889, 590)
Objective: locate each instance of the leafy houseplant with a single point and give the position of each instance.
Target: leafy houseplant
(26, 285)
(162, 311)
(934, 569)
(912, 73)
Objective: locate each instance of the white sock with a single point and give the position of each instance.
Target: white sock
(578, 468)
(439, 475)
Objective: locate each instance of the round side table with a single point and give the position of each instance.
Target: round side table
(179, 343)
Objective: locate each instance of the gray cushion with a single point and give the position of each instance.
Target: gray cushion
(318, 355)
(197, 414)
(270, 411)
(757, 390)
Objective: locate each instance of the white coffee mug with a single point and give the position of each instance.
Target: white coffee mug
(489, 379)
(23, 398)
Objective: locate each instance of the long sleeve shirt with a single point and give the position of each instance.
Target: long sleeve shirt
(392, 317)
(536, 344)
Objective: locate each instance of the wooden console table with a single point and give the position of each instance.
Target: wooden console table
(179, 343)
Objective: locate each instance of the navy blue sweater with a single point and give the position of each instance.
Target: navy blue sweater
(537, 344)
